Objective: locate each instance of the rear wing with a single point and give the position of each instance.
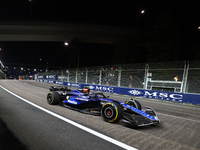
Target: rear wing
(59, 88)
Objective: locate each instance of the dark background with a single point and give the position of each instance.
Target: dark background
(168, 31)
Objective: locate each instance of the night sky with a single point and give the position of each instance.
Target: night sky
(111, 13)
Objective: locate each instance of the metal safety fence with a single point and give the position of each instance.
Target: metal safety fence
(176, 76)
(2, 74)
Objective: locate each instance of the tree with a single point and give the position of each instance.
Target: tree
(162, 42)
(171, 39)
(131, 51)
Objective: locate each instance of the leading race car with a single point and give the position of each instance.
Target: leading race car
(111, 110)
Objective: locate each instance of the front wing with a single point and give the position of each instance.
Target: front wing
(135, 117)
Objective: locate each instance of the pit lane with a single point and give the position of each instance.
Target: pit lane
(179, 128)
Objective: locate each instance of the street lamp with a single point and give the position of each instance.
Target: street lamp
(66, 44)
(30, 8)
(142, 12)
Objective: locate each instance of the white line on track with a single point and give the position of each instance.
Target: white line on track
(111, 140)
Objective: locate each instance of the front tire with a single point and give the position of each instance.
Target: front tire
(53, 98)
(134, 103)
(111, 112)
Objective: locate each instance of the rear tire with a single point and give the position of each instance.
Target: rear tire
(111, 112)
(53, 98)
(134, 103)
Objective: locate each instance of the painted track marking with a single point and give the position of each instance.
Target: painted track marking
(109, 139)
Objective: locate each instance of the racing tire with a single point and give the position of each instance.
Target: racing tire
(111, 112)
(53, 98)
(134, 103)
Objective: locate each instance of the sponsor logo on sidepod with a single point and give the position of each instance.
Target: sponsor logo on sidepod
(72, 102)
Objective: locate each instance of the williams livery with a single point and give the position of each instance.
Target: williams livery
(111, 110)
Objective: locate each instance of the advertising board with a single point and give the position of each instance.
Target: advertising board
(48, 77)
(160, 95)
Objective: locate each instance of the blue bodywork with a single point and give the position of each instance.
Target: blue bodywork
(92, 103)
(76, 98)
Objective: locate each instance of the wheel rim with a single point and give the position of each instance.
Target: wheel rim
(109, 112)
(49, 98)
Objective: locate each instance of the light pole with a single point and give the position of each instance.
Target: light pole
(30, 8)
(1, 55)
(137, 19)
(66, 44)
(77, 60)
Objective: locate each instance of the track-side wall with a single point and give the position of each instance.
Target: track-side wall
(160, 95)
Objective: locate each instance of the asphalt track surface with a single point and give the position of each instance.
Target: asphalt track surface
(24, 126)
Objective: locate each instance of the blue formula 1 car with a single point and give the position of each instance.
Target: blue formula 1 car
(84, 101)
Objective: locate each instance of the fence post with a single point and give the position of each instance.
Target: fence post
(186, 75)
(77, 75)
(86, 76)
(100, 73)
(145, 76)
(183, 80)
(62, 74)
(68, 76)
(119, 76)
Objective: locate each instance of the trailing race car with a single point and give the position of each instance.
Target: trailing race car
(111, 110)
